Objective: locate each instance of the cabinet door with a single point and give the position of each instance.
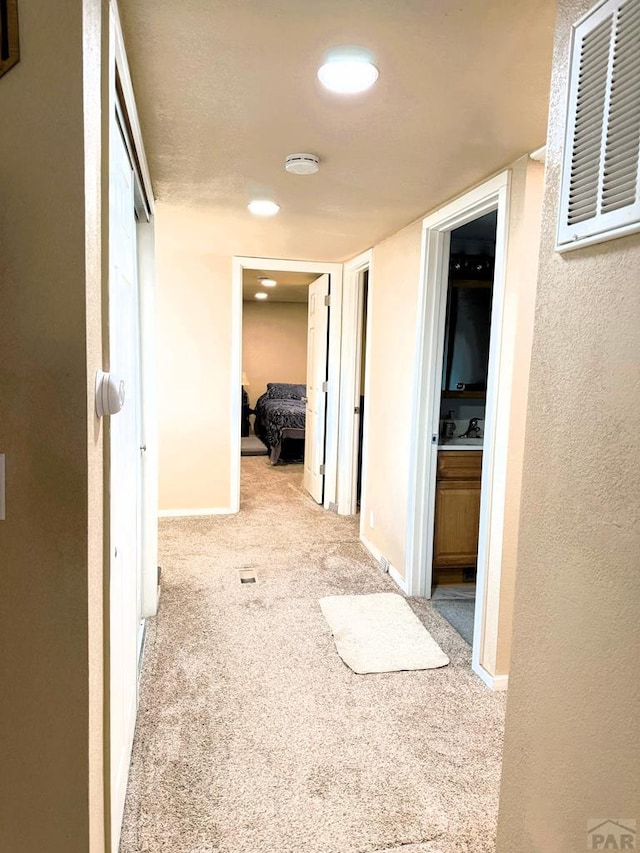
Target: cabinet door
(456, 523)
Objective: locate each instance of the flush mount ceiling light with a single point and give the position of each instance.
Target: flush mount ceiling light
(262, 295)
(348, 70)
(263, 207)
(302, 164)
(265, 281)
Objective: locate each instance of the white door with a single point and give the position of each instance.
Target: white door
(317, 350)
(125, 606)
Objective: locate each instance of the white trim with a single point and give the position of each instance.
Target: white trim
(124, 75)
(494, 682)
(603, 237)
(149, 414)
(492, 195)
(495, 451)
(540, 154)
(375, 552)
(352, 314)
(469, 206)
(239, 264)
(397, 578)
(235, 398)
(423, 457)
(377, 555)
(192, 513)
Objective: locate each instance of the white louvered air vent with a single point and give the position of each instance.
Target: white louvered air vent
(600, 197)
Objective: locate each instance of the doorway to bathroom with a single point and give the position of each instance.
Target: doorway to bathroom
(456, 497)
(463, 398)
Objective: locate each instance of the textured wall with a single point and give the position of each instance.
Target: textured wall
(50, 346)
(572, 745)
(274, 344)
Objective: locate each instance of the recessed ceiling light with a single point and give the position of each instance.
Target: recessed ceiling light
(263, 207)
(267, 282)
(262, 295)
(348, 70)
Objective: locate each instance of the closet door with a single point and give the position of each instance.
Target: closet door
(125, 476)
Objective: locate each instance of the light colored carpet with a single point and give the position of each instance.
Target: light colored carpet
(380, 633)
(254, 737)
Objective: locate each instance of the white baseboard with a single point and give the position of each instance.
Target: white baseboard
(494, 682)
(371, 548)
(192, 513)
(377, 554)
(397, 578)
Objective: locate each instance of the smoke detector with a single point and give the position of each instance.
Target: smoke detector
(302, 164)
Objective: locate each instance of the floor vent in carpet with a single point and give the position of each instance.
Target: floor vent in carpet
(247, 576)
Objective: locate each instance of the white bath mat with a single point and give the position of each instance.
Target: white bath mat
(380, 633)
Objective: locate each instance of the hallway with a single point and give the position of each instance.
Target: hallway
(254, 737)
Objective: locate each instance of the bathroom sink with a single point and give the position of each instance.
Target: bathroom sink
(461, 442)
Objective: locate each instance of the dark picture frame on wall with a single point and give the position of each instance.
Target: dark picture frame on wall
(9, 40)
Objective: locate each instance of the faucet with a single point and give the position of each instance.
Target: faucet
(473, 430)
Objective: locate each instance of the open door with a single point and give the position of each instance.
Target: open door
(317, 351)
(125, 476)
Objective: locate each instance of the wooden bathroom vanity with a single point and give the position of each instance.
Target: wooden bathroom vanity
(457, 515)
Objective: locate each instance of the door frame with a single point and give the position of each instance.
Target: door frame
(436, 230)
(352, 315)
(335, 271)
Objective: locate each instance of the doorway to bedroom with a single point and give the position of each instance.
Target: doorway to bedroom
(286, 358)
(274, 364)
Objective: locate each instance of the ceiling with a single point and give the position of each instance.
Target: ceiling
(291, 287)
(227, 88)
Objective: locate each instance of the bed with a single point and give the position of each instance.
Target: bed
(280, 415)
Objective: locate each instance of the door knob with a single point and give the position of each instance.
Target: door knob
(109, 394)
